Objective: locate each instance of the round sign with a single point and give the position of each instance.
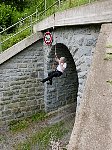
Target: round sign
(48, 38)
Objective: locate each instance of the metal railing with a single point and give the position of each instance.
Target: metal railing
(27, 22)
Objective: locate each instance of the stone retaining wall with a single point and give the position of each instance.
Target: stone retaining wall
(20, 94)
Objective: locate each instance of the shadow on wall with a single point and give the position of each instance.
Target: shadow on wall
(64, 89)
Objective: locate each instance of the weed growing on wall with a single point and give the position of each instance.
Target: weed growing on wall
(16, 126)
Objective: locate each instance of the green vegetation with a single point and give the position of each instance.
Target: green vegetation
(19, 4)
(12, 11)
(15, 38)
(43, 138)
(1, 138)
(108, 57)
(109, 81)
(74, 3)
(16, 126)
(109, 46)
(7, 16)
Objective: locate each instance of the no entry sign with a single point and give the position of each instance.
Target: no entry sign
(48, 38)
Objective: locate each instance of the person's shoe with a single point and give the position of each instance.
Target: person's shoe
(50, 82)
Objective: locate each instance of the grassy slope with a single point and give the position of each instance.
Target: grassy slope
(64, 5)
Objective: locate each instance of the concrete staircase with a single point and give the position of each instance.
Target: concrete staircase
(93, 124)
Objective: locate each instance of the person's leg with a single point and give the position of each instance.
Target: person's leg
(55, 74)
(58, 74)
(50, 76)
(50, 73)
(50, 80)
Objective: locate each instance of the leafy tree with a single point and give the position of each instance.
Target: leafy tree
(12, 10)
(8, 16)
(18, 4)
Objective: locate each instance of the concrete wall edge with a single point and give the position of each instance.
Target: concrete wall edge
(20, 46)
(93, 13)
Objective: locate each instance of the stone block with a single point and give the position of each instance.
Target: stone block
(31, 90)
(22, 103)
(8, 93)
(37, 107)
(22, 96)
(24, 90)
(6, 113)
(22, 65)
(1, 108)
(31, 102)
(26, 86)
(30, 80)
(13, 105)
(41, 74)
(90, 41)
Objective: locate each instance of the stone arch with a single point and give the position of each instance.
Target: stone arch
(80, 42)
(64, 89)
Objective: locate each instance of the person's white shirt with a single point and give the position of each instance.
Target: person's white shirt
(61, 67)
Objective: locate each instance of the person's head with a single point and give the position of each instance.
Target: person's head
(62, 59)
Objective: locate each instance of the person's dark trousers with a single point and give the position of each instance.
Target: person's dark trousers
(51, 75)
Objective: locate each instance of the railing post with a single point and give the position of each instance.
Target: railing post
(36, 14)
(70, 3)
(0, 43)
(45, 7)
(59, 3)
(78, 2)
(31, 24)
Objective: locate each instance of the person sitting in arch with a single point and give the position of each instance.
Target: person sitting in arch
(59, 70)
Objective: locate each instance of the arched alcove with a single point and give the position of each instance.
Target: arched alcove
(64, 89)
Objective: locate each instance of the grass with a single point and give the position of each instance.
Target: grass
(73, 3)
(17, 126)
(108, 57)
(109, 46)
(109, 81)
(65, 5)
(15, 39)
(43, 138)
(2, 138)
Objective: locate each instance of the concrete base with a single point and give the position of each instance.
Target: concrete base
(93, 126)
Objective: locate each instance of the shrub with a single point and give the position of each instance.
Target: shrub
(8, 16)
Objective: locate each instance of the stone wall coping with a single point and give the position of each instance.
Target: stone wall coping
(96, 12)
(18, 47)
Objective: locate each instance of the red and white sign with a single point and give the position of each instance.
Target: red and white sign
(48, 38)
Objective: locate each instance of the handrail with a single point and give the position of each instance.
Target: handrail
(31, 21)
(48, 8)
(23, 19)
(16, 33)
(40, 3)
(17, 22)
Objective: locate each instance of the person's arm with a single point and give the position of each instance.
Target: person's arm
(56, 58)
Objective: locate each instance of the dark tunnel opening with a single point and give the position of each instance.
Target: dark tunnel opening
(65, 88)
